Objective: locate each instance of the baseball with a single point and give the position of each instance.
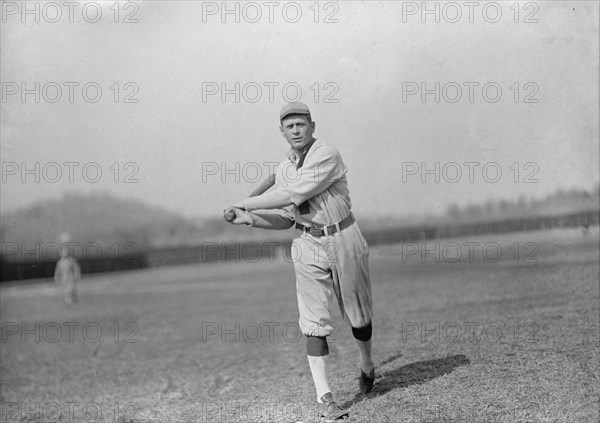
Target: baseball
(229, 215)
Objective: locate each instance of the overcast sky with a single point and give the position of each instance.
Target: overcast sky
(361, 73)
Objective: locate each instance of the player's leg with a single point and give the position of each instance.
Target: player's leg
(317, 351)
(314, 290)
(367, 367)
(353, 290)
(74, 295)
(66, 288)
(314, 287)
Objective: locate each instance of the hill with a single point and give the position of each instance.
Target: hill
(99, 218)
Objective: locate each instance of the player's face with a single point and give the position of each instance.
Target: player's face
(297, 130)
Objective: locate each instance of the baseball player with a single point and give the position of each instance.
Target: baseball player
(67, 273)
(330, 253)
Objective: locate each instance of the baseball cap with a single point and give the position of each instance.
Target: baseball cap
(297, 108)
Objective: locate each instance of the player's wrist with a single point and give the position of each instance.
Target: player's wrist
(245, 206)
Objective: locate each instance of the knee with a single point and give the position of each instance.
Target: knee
(316, 346)
(363, 334)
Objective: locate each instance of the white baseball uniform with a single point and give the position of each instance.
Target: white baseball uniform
(324, 265)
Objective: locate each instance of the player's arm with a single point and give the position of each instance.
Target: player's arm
(277, 198)
(324, 169)
(76, 270)
(264, 219)
(272, 219)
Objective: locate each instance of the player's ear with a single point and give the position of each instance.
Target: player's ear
(281, 130)
(313, 125)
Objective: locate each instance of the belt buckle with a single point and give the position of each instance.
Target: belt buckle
(314, 231)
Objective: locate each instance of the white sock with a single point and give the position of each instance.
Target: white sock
(319, 374)
(366, 361)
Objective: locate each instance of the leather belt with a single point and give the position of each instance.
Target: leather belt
(319, 231)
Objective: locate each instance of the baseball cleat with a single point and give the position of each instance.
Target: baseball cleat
(366, 381)
(330, 410)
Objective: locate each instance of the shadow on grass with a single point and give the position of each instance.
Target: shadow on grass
(411, 374)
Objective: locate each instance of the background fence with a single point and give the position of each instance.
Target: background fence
(254, 251)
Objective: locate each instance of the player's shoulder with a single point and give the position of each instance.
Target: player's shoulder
(325, 148)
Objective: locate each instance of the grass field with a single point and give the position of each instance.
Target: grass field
(475, 339)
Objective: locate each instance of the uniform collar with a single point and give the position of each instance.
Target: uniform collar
(294, 157)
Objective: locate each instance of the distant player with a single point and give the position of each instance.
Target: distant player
(331, 255)
(67, 272)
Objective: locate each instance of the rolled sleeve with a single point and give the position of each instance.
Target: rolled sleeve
(323, 169)
(276, 198)
(272, 219)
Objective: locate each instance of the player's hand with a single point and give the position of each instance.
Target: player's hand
(237, 216)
